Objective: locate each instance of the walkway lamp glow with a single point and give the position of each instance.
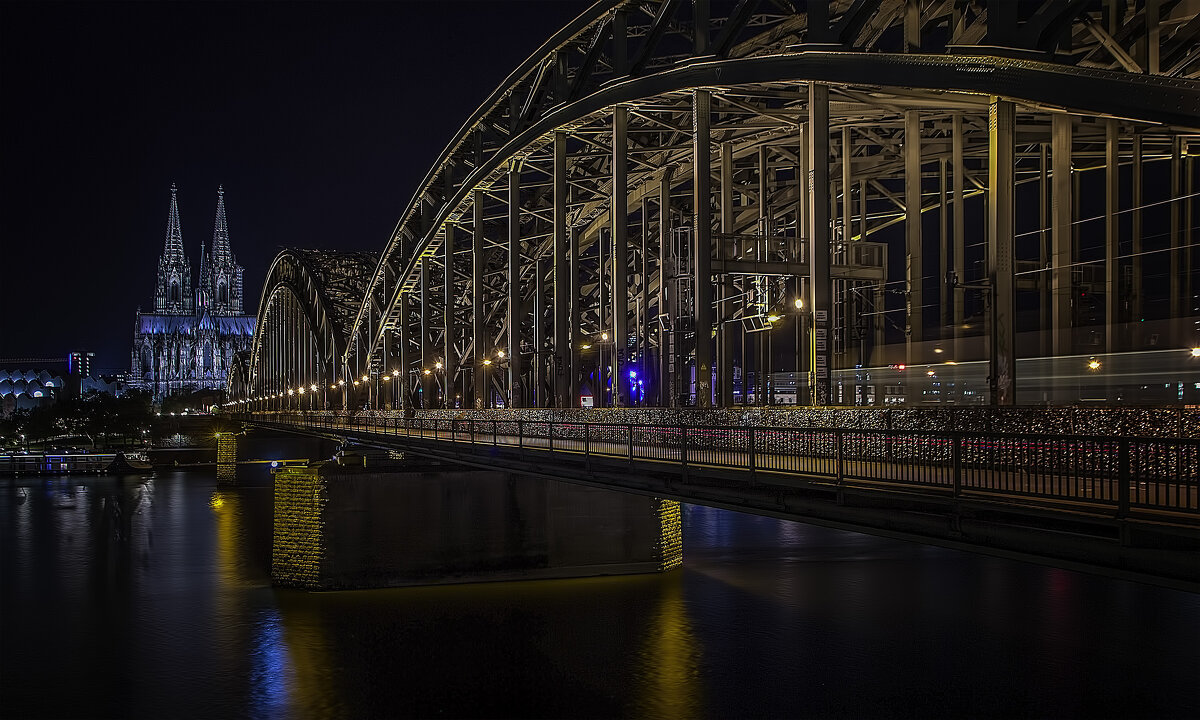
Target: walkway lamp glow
(799, 303)
(603, 336)
(365, 378)
(341, 382)
(299, 390)
(426, 371)
(437, 365)
(395, 373)
(1196, 352)
(1093, 364)
(487, 362)
(500, 354)
(586, 346)
(291, 391)
(313, 387)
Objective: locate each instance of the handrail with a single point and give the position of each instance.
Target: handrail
(1099, 471)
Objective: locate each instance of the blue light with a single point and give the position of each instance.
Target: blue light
(632, 374)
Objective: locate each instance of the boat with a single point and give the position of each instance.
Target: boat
(128, 463)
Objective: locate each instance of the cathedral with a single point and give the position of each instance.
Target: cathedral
(189, 341)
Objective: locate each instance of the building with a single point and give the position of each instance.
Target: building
(189, 341)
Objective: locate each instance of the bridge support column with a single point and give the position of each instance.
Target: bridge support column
(515, 389)
(819, 286)
(620, 265)
(405, 376)
(575, 312)
(563, 365)
(958, 175)
(428, 392)
(702, 291)
(1112, 250)
(449, 327)
(1060, 232)
(480, 388)
(666, 344)
(913, 239)
(1001, 126)
(726, 296)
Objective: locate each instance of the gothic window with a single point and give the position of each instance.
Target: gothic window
(176, 295)
(208, 357)
(222, 293)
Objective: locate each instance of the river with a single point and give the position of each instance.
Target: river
(151, 598)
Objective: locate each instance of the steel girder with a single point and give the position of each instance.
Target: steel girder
(890, 68)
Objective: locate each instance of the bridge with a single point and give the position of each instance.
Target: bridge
(706, 206)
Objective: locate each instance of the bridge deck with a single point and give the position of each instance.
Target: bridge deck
(1122, 505)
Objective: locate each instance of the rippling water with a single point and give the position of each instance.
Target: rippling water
(150, 598)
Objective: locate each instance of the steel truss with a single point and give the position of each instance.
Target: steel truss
(671, 197)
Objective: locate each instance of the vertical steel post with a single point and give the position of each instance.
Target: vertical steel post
(914, 265)
(405, 356)
(702, 243)
(620, 268)
(1060, 233)
(819, 286)
(1112, 237)
(538, 364)
(762, 254)
(1136, 213)
(480, 382)
(1001, 157)
(515, 390)
(427, 385)
(1176, 305)
(725, 299)
(943, 250)
(574, 313)
(562, 370)
(665, 379)
(449, 362)
(960, 261)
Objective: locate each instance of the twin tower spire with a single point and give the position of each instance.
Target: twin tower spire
(219, 290)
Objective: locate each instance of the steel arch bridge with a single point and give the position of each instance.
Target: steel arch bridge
(670, 198)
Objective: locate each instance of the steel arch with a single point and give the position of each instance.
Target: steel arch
(619, 115)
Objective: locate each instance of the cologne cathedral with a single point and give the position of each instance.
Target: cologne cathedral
(189, 341)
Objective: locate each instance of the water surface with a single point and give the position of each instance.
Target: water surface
(150, 598)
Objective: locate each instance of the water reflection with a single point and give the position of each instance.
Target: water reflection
(150, 597)
(669, 665)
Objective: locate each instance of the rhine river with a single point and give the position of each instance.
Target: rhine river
(150, 598)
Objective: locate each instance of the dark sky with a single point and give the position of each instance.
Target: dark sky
(319, 119)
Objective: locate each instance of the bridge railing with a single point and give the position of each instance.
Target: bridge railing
(1113, 471)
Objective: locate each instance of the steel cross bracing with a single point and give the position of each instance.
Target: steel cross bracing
(647, 190)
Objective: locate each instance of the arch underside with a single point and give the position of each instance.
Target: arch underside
(527, 191)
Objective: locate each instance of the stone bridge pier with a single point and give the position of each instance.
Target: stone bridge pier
(343, 528)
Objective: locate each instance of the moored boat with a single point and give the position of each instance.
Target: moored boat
(126, 463)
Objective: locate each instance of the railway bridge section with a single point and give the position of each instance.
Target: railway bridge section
(831, 202)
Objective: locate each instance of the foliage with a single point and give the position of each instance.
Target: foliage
(94, 415)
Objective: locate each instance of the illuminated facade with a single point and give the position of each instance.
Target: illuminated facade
(189, 341)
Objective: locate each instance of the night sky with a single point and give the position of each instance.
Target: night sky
(319, 119)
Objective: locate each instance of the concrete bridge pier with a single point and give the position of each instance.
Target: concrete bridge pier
(336, 528)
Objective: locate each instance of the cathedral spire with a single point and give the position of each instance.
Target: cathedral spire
(173, 248)
(220, 243)
(173, 289)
